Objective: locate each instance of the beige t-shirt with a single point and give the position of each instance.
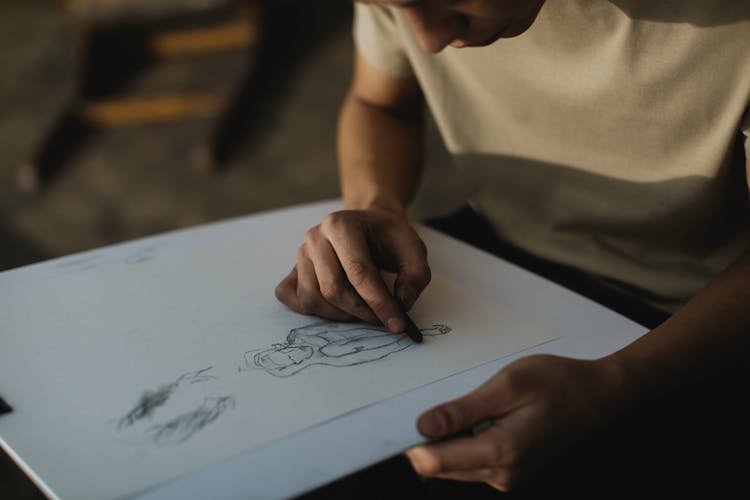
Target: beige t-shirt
(602, 137)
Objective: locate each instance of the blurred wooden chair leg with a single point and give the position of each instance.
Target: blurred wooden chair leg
(48, 158)
(214, 152)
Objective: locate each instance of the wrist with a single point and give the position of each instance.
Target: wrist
(617, 390)
(386, 203)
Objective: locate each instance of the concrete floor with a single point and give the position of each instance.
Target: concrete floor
(137, 180)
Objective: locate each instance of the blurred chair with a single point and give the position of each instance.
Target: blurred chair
(115, 40)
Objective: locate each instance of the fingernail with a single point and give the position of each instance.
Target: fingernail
(396, 325)
(432, 425)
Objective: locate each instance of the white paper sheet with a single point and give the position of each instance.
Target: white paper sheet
(132, 366)
(586, 329)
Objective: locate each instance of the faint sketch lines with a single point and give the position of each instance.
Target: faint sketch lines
(184, 426)
(147, 404)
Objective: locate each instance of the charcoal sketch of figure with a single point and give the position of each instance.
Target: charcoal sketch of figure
(332, 344)
(183, 427)
(149, 401)
(196, 410)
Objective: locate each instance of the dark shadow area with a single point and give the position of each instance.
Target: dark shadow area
(695, 12)
(292, 29)
(15, 251)
(15, 484)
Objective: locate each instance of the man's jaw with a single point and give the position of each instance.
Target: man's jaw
(460, 44)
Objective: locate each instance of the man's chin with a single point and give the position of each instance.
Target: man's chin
(460, 44)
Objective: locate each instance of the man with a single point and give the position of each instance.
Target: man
(601, 135)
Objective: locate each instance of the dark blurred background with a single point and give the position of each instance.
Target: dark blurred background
(127, 118)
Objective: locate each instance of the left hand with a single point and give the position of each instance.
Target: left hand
(536, 406)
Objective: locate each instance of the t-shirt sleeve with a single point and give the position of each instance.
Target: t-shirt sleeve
(378, 39)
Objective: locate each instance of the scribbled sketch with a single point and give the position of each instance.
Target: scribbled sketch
(183, 427)
(77, 261)
(141, 255)
(198, 376)
(147, 404)
(332, 344)
(151, 400)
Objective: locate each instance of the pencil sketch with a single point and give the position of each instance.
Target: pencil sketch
(82, 263)
(141, 255)
(151, 400)
(183, 427)
(322, 343)
(331, 344)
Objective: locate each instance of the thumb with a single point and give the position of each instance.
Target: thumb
(453, 417)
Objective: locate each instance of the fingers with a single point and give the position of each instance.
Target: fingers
(458, 415)
(351, 246)
(332, 283)
(496, 397)
(298, 294)
(338, 274)
(480, 458)
(458, 454)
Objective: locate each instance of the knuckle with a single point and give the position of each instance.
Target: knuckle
(331, 291)
(510, 383)
(281, 292)
(308, 304)
(423, 276)
(312, 236)
(335, 221)
(358, 273)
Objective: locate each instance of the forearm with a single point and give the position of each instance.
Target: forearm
(380, 153)
(708, 334)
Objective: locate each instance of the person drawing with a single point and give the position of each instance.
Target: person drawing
(604, 139)
(331, 344)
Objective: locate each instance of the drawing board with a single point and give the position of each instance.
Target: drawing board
(165, 367)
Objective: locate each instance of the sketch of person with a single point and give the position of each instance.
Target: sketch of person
(184, 426)
(150, 400)
(196, 407)
(332, 344)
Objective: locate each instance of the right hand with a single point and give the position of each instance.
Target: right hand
(337, 275)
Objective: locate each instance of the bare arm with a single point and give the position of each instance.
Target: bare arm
(709, 333)
(380, 141)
